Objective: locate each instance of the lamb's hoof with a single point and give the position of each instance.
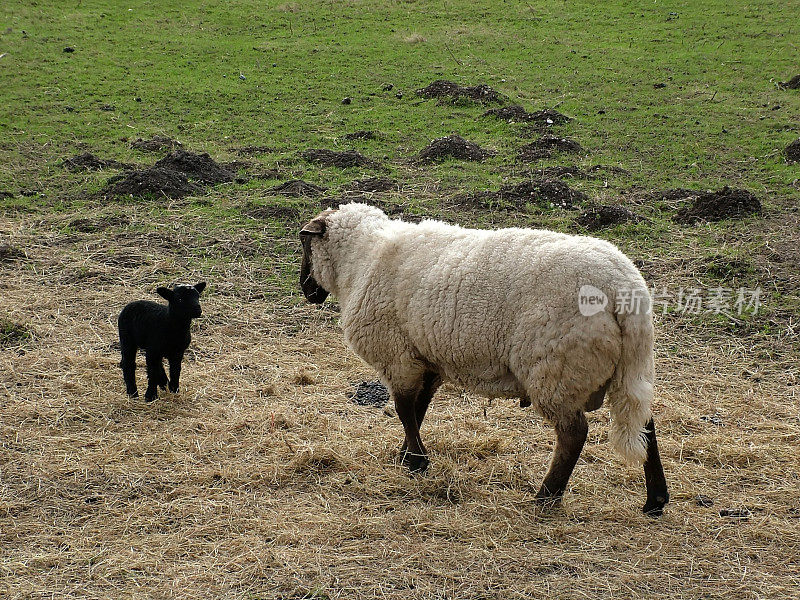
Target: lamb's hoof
(416, 463)
(173, 389)
(133, 394)
(547, 502)
(150, 397)
(654, 507)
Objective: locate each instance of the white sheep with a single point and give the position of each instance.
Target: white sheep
(500, 313)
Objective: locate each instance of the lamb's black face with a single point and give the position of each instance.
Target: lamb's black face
(184, 300)
(313, 291)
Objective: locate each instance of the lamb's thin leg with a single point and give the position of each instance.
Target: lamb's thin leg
(154, 370)
(175, 372)
(657, 494)
(570, 437)
(128, 364)
(430, 383)
(414, 455)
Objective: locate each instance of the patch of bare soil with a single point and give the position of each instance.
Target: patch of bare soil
(331, 158)
(602, 216)
(199, 167)
(361, 135)
(6, 194)
(250, 150)
(727, 203)
(157, 143)
(546, 146)
(544, 192)
(280, 213)
(443, 89)
(370, 393)
(12, 333)
(792, 151)
(89, 162)
(453, 146)
(372, 184)
(10, 253)
(297, 187)
(517, 114)
(94, 224)
(792, 84)
(152, 181)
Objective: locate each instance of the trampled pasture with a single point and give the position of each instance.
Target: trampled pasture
(262, 478)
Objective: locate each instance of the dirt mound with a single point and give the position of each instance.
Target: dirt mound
(372, 184)
(199, 167)
(453, 146)
(92, 225)
(792, 151)
(89, 162)
(271, 213)
(726, 203)
(792, 84)
(441, 88)
(370, 393)
(331, 158)
(518, 114)
(153, 181)
(544, 192)
(297, 187)
(546, 146)
(155, 144)
(250, 150)
(361, 135)
(9, 253)
(600, 217)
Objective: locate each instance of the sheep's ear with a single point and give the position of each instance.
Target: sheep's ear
(200, 287)
(318, 224)
(165, 293)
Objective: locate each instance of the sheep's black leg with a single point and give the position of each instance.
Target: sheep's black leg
(414, 456)
(154, 370)
(128, 365)
(657, 494)
(430, 383)
(570, 437)
(175, 372)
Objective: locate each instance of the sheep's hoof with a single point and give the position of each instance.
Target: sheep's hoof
(548, 502)
(655, 507)
(150, 397)
(416, 463)
(173, 389)
(133, 394)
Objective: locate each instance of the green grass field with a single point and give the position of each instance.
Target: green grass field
(261, 479)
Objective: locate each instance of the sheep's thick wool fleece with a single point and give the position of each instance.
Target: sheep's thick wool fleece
(494, 311)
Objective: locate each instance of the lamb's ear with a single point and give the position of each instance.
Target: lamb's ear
(318, 224)
(200, 287)
(165, 293)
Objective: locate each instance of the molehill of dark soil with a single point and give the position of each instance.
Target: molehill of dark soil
(157, 143)
(518, 114)
(89, 162)
(94, 224)
(372, 184)
(727, 203)
(453, 146)
(199, 167)
(280, 213)
(152, 181)
(361, 135)
(370, 393)
(544, 192)
(331, 158)
(546, 146)
(792, 151)
(602, 216)
(296, 187)
(792, 84)
(441, 88)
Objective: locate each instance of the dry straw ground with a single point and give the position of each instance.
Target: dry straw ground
(261, 480)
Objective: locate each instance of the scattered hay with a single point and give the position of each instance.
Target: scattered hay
(318, 460)
(11, 333)
(443, 89)
(727, 203)
(414, 38)
(517, 114)
(199, 167)
(152, 182)
(792, 152)
(370, 393)
(373, 184)
(549, 193)
(792, 84)
(331, 158)
(157, 143)
(89, 162)
(297, 188)
(602, 216)
(546, 146)
(453, 146)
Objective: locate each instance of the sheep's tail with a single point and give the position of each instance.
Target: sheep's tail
(631, 392)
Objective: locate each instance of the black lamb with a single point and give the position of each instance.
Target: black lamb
(162, 332)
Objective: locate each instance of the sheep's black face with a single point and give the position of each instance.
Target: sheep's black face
(184, 300)
(313, 291)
